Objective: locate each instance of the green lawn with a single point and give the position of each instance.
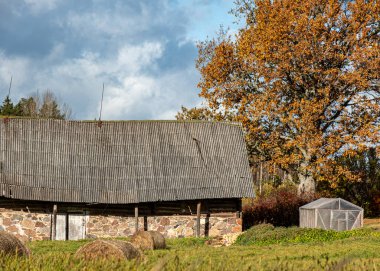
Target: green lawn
(359, 251)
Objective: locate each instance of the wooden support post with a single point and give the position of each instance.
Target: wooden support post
(136, 218)
(346, 220)
(145, 223)
(54, 223)
(261, 177)
(361, 218)
(198, 219)
(316, 218)
(238, 208)
(207, 224)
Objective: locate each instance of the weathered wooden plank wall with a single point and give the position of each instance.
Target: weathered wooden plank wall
(211, 207)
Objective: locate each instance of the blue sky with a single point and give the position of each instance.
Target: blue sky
(144, 51)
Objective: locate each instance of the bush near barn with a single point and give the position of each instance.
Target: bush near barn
(277, 206)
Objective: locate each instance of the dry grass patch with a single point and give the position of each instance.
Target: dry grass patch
(373, 223)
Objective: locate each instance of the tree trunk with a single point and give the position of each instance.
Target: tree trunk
(288, 177)
(307, 184)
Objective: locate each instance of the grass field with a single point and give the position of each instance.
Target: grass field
(357, 251)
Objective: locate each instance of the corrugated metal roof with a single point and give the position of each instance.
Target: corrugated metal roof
(122, 162)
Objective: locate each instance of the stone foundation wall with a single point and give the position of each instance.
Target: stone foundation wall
(29, 226)
(111, 226)
(25, 225)
(169, 226)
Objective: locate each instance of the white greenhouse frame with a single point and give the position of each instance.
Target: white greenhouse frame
(331, 213)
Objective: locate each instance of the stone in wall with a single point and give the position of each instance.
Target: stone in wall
(185, 226)
(111, 226)
(169, 226)
(27, 226)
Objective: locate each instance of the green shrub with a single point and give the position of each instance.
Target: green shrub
(266, 234)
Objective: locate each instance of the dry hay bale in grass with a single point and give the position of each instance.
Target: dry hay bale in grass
(108, 249)
(11, 245)
(223, 240)
(230, 238)
(159, 240)
(148, 240)
(216, 241)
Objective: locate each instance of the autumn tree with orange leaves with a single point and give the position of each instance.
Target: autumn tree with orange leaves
(303, 78)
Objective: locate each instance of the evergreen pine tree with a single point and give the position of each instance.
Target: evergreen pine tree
(7, 109)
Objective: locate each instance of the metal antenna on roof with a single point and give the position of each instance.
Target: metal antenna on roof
(101, 108)
(6, 119)
(10, 86)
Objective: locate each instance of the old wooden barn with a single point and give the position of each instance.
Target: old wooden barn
(76, 179)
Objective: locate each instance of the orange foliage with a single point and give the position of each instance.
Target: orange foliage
(203, 114)
(303, 77)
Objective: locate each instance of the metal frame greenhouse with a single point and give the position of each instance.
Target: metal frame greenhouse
(331, 213)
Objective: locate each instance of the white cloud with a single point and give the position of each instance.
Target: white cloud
(130, 59)
(112, 23)
(41, 6)
(136, 58)
(93, 23)
(167, 115)
(56, 52)
(156, 97)
(123, 100)
(16, 67)
(87, 66)
(132, 91)
(143, 56)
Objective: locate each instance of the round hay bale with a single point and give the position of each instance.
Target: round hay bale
(11, 245)
(148, 240)
(159, 240)
(108, 249)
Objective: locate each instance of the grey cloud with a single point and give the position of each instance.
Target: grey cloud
(139, 49)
